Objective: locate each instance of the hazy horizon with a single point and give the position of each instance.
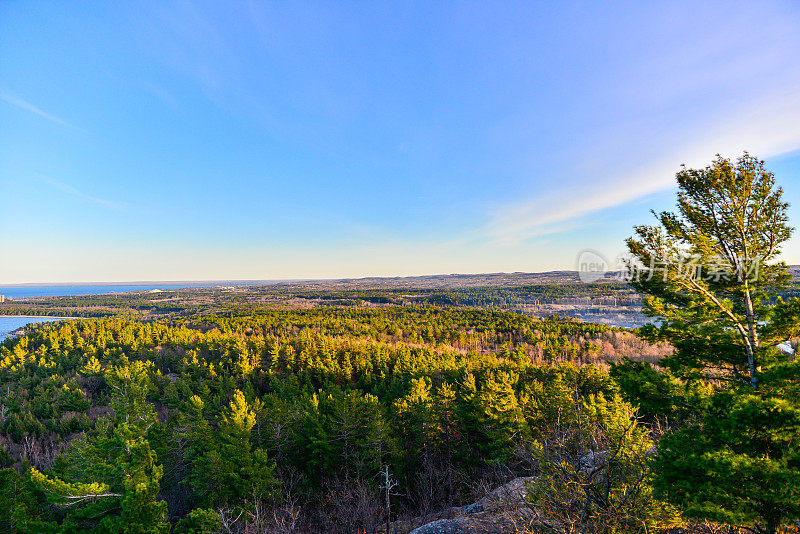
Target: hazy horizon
(257, 281)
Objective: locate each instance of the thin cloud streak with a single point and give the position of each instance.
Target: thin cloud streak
(683, 102)
(27, 106)
(66, 188)
(767, 128)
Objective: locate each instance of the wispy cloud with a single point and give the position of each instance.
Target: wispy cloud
(27, 106)
(70, 190)
(766, 127)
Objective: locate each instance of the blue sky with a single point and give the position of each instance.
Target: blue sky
(246, 140)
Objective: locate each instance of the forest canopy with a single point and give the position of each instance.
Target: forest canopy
(384, 410)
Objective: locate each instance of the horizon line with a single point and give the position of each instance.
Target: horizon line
(271, 280)
(275, 281)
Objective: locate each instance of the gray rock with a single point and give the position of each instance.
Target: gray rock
(504, 510)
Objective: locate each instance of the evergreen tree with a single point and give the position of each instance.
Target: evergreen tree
(501, 415)
(19, 509)
(739, 465)
(226, 469)
(711, 273)
(712, 276)
(108, 481)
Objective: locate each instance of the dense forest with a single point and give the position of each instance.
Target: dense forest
(367, 413)
(293, 420)
(296, 411)
(190, 301)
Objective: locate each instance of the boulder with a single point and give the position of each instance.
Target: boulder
(504, 510)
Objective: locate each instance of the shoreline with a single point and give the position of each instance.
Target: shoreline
(54, 317)
(21, 329)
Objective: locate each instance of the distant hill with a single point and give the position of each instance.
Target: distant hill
(459, 281)
(444, 281)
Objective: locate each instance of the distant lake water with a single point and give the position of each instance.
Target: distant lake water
(59, 291)
(9, 324)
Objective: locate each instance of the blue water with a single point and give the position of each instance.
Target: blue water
(9, 324)
(54, 291)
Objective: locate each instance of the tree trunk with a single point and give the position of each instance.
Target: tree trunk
(752, 336)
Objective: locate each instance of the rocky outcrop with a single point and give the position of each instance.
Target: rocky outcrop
(504, 510)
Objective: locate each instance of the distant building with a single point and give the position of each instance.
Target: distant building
(2, 298)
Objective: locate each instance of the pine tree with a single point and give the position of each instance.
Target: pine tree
(711, 273)
(739, 465)
(109, 480)
(712, 276)
(501, 414)
(226, 469)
